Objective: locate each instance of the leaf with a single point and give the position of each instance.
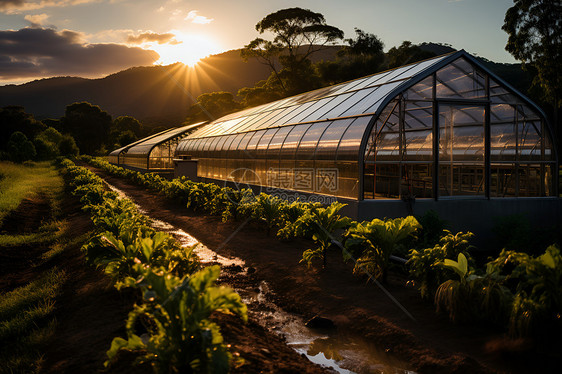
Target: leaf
(548, 260)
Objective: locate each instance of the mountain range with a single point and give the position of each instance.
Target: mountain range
(162, 95)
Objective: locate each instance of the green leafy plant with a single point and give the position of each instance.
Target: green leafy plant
(537, 285)
(324, 223)
(291, 224)
(455, 296)
(176, 312)
(267, 209)
(425, 264)
(373, 242)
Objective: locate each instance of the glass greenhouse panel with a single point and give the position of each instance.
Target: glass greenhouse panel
(277, 142)
(503, 142)
(371, 104)
(292, 112)
(529, 180)
(461, 133)
(241, 150)
(350, 86)
(386, 181)
(263, 145)
(460, 80)
(252, 144)
(307, 145)
(461, 139)
(461, 179)
(375, 80)
(418, 145)
(419, 67)
(421, 91)
(292, 141)
(502, 113)
(302, 116)
(348, 179)
(328, 144)
(417, 180)
(503, 180)
(350, 143)
(529, 141)
(418, 115)
(330, 110)
(357, 98)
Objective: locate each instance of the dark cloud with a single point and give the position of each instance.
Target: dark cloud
(6, 4)
(38, 52)
(16, 6)
(153, 37)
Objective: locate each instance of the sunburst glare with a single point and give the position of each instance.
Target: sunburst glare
(190, 49)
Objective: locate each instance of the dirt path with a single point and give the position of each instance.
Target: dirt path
(430, 344)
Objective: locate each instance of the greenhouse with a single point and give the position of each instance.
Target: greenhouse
(154, 153)
(443, 128)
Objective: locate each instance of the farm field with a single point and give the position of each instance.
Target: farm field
(60, 314)
(360, 311)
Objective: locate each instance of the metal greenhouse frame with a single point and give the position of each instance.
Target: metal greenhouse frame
(443, 128)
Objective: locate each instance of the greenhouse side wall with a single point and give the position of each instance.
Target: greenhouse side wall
(475, 215)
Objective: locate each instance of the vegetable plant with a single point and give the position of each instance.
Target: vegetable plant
(324, 223)
(176, 313)
(373, 242)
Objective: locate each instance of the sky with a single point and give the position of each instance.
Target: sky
(94, 38)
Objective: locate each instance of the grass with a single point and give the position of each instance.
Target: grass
(21, 181)
(27, 322)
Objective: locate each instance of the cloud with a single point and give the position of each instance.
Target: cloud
(195, 18)
(36, 19)
(40, 52)
(18, 6)
(149, 36)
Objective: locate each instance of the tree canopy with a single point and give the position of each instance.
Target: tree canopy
(298, 33)
(535, 37)
(88, 124)
(406, 53)
(14, 118)
(212, 105)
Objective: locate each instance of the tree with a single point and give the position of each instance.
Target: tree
(362, 56)
(406, 53)
(298, 33)
(88, 124)
(365, 44)
(213, 104)
(14, 118)
(68, 147)
(126, 123)
(535, 38)
(47, 144)
(20, 148)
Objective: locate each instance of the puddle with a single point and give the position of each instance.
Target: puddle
(330, 348)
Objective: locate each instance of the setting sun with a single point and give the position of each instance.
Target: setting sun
(189, 49)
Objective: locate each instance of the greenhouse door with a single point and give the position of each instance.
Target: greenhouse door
(461, 144)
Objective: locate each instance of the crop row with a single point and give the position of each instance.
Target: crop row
(520, 292)
(175, 296)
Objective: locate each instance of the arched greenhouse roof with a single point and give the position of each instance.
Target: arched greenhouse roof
(125, 148)
(144, 146)
(445, 126)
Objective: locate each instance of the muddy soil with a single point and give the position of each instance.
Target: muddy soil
(430, 344)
